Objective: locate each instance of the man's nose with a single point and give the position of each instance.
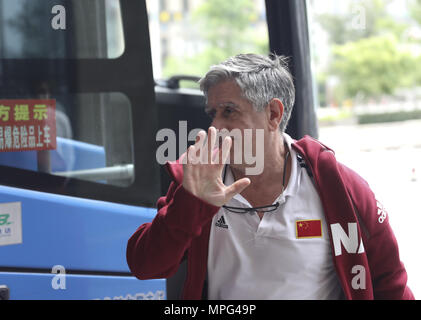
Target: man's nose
(218, 123)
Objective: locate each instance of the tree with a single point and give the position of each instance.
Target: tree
(367, 59)
(415, 10)
(346, 27)
(373, 66)
(224, 28)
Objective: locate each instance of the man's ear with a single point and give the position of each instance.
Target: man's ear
(275, 113)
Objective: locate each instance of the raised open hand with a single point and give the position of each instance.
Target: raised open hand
(203, 170)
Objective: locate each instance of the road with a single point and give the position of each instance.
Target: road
(388, 157)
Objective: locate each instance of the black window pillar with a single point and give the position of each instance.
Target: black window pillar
(288, 36)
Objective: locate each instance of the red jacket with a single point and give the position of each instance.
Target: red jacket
(364, 249)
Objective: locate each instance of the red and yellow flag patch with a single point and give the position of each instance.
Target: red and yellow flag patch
(308, 229)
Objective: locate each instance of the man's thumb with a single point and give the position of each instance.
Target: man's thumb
(237, 187)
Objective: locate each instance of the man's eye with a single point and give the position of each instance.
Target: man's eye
(228, 111)
(211, 113)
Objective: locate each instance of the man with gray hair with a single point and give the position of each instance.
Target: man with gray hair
(305, 227)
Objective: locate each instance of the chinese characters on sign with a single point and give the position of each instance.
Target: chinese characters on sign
(27, 125)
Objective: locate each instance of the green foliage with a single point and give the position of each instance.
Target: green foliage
(342, 28)
(336, 28)
(415, 10)
(373, 60)
(224, 23)
(196, 65)
(373, 66)
(389, 117)
(225, 29)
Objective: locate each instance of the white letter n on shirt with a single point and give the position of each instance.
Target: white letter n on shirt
(349, 241)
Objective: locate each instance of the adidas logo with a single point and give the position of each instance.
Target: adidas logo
(221, 223)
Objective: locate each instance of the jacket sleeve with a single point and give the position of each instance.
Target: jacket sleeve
(156, 249)
(388, 273)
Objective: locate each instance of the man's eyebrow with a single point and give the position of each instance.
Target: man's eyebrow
(228, 104)
(208, 108)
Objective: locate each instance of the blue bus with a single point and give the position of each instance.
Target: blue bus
(67, 212)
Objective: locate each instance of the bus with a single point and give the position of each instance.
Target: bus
(79, 114)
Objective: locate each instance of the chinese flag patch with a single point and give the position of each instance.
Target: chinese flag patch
(308, 229)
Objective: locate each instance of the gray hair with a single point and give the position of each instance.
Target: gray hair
(260, 78)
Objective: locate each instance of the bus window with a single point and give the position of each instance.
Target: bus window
(98, 151)
(82, 62)
(83, 150)
(187, 36)
(39, 29)
(91, 150)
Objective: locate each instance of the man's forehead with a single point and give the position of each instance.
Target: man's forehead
(225, 93)
(225, 86)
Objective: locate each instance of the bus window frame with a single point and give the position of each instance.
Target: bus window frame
(129, 74)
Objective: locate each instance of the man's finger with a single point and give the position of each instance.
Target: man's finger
(200, 139)
(237, 187)
(192, 157)
(212, 136)
(206, 149)
(221, 151)
(216, 155)
(226, 147)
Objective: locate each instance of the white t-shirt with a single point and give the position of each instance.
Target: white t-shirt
(251, 258)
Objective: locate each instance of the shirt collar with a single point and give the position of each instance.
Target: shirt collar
(294, 179)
